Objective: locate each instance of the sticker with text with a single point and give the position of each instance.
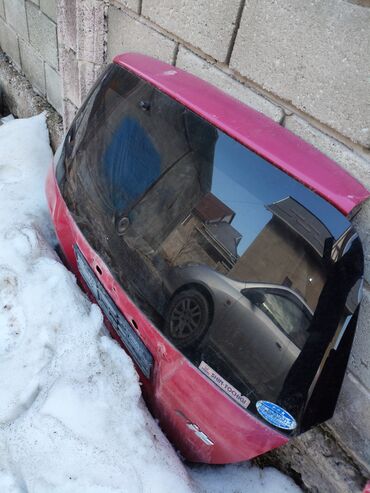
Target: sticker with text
(224, 385)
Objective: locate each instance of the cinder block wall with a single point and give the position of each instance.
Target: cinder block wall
(303, 63)
(28, 34)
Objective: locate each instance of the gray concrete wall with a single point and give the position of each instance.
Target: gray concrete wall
(28, 34)
(20, 99)
(305, 64)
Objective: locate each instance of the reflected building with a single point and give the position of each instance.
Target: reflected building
(206, 236)
(289, 251)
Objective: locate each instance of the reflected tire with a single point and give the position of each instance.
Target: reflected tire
(187, 319)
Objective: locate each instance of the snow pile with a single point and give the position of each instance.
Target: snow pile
(241, 478)
(71, 415)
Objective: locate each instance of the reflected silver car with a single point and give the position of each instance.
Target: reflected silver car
(257, 329)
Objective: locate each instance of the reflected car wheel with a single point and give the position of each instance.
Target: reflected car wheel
(187, 318)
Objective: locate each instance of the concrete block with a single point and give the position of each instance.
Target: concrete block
(130, 4)
(67, 30)
(362, 225)
(90, 31)
(15, 12)
(356, 165)
(9, 43)
(313, 54)
(359, 361)
(317, 460)
(23, 102)
(43, 34)
(54, 88)
(32, 66)
(206, 71)
(49, 7)
(70, 76)
(206, 24)
(128, 34)
(88, 73)
(69, 112)
(2, 9)
(351, 423)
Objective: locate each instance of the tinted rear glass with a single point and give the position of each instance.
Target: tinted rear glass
(230, 258)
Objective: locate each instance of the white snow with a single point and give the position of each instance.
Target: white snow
(71, 414)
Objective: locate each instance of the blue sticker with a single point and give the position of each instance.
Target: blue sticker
(276, 415)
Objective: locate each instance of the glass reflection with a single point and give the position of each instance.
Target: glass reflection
(241, 267)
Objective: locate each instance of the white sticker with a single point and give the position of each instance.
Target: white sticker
(224, 385)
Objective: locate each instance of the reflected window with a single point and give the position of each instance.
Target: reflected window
(285, 310)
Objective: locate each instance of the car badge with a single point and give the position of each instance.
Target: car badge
(276, 415)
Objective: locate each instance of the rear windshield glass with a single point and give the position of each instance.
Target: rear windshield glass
(227, 255)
